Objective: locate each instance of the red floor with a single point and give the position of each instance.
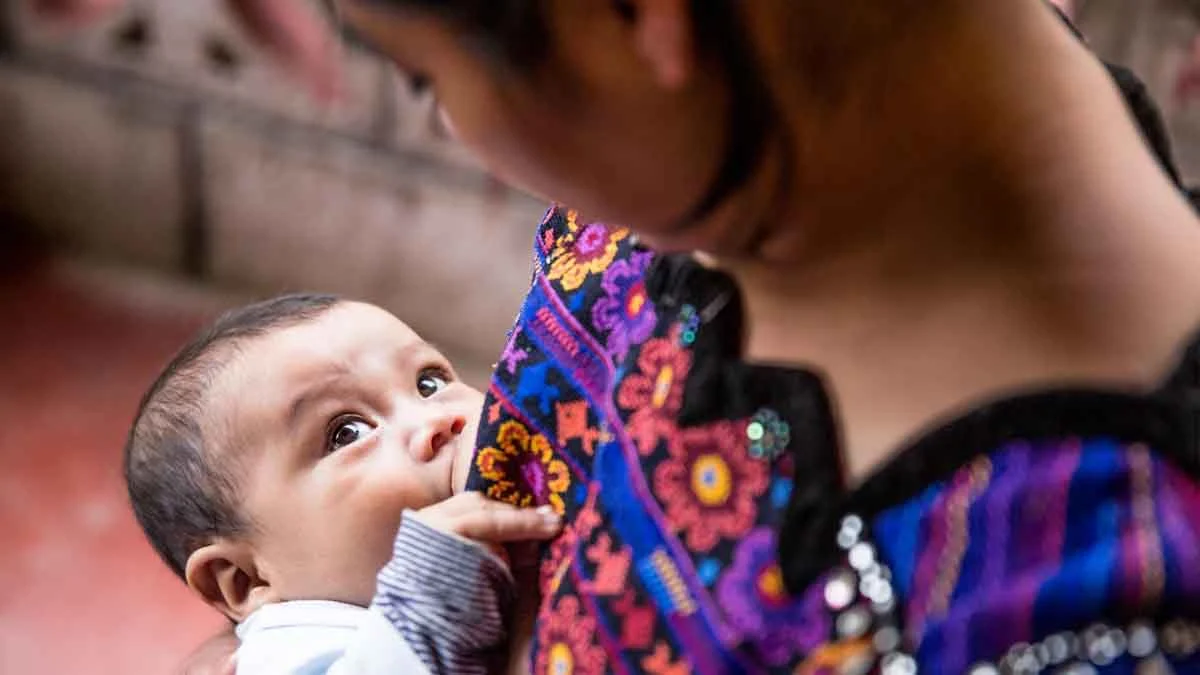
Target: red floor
(80, 591)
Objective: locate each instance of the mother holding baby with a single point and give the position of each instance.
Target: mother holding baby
(895, 365)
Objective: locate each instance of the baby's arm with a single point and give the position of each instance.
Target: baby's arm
(445, 592)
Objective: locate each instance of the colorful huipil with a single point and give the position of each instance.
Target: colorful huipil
(710, 531)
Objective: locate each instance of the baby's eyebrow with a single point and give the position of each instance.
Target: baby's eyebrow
(314, 393)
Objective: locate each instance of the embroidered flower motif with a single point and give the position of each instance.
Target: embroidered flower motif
(709, 484)
(756, 603)
(582, 251)
(655, 392)
(625, 311)
(565, 644)
(522, 468)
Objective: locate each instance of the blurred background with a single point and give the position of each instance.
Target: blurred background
(154, 170)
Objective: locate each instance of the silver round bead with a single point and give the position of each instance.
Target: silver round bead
(862, 556)
(1102, 646)
(853, 523)
(853, 623)
(898, 663)
(1176, 640)
(845, 541)
(1042, 653)
(1142, 640)
(874, 586)
(1078, 668)
(1021, 660)
(840, 590)
(882, 597)
(886, 639)
(983, 668)
(1058, 649)
(885, 607)
(850, 532)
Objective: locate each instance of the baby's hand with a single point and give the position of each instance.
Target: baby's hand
(487, 521)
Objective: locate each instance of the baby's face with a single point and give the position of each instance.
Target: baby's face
(332, 428)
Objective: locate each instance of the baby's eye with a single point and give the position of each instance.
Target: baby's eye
(347, 431)
(431, 381)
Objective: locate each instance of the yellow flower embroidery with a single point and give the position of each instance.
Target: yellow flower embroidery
(582, 251)
(522, 469)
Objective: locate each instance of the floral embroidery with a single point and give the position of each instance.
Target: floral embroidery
(565, 641)
(655, 392)
(752, 595)
(708, 486)
(625, 312)
(583, 251)
(523, 470)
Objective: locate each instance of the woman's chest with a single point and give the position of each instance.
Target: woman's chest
(699, 490)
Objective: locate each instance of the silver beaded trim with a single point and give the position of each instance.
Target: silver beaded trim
(1100, 645)
(863, 602)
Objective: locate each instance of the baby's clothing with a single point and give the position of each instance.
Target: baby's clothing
(440, 607)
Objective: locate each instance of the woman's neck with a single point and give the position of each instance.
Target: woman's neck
(984, 219)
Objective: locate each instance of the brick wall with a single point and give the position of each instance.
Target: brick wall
(160, 138)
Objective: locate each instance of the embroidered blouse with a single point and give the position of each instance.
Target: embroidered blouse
(710, 531)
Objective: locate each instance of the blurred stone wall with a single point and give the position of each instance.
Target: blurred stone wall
(161, 139)
(1158, 40)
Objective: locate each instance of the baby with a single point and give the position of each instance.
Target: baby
(270, 465)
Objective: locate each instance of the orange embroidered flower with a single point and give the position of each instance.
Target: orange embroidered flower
(565, 641)
(522, 469)
(709, 485)
(582, 251)
(654, 394)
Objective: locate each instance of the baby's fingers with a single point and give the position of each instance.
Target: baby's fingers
(501, 523)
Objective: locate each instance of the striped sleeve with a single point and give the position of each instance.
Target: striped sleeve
(448, 597)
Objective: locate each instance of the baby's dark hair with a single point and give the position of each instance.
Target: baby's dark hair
(181, 497)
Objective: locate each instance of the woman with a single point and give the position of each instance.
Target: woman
(938, 215)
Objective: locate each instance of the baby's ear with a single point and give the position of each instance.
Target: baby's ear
(226, 574)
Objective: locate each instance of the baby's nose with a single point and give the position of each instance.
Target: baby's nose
(440, 432)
